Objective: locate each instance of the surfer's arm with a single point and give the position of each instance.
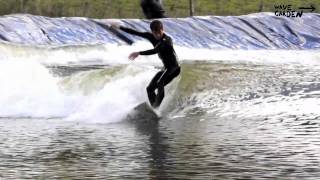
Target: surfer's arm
(156, 49)
(148, 52)
(134, 55)
(136, 33)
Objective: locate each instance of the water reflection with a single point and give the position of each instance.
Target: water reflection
(158, 147)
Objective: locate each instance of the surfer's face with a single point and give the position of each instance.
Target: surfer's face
(158, 34)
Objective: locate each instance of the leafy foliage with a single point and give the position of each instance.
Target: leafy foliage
(131, 8)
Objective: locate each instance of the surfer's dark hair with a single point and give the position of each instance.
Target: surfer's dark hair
(156, 25)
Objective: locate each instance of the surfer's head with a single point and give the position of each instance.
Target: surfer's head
(157, 29)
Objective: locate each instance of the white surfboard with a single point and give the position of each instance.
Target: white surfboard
(144, 110)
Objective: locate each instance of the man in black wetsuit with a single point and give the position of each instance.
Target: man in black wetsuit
(152, 9)
(164, 48)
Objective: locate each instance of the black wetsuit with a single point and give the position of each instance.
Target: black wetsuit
(152, 9)
(165, 50)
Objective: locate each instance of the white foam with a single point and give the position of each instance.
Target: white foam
(115, 54)
(272, 106)
(302, 57)
(116, 100)
(28, 89)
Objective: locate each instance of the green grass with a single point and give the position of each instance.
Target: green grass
(131, 8)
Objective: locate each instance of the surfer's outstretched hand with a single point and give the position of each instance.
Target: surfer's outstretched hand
(133, 55)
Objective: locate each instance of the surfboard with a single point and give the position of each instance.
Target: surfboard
(145, 111)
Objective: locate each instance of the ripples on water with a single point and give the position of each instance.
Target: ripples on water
(263, 126)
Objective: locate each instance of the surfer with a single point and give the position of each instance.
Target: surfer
(152, 9)
(163, 46)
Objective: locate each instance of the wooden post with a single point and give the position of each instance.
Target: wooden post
(261, 7)
(21, 10)
(191, 7)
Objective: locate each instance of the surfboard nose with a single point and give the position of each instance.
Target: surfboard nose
(143, 112)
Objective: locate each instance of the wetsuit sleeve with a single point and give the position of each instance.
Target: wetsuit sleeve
(161, 45)
(136, 33)
(149, 52)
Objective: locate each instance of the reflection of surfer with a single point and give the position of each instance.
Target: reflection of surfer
(164, 48)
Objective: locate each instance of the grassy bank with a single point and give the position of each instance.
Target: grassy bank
(131, 8)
